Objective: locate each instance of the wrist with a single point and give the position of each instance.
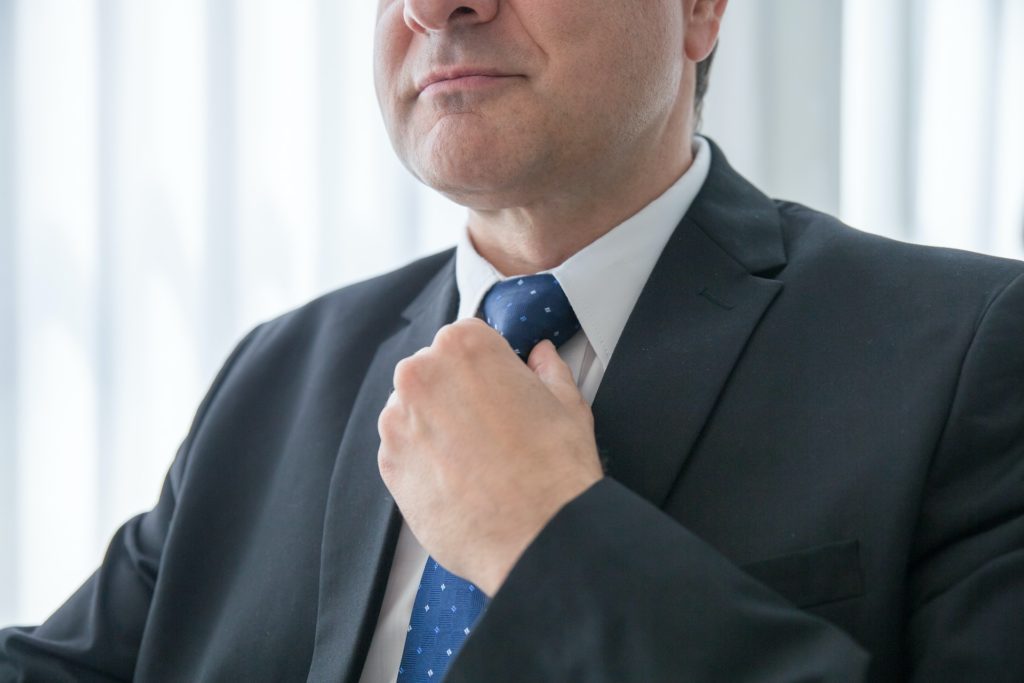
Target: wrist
(499, 564)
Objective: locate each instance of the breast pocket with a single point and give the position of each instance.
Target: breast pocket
(814, 576)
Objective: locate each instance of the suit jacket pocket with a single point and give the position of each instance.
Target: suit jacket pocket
(814, 576)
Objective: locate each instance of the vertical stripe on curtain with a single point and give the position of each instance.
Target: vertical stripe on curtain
(955, 124)
(878, 96)
(1008, 159)
(8, 350)
(774, 101)
(56, 250)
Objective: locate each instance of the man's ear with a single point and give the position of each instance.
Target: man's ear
(703, 21)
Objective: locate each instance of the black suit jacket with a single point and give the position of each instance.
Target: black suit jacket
(814, 441)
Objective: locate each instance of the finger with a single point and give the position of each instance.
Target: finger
(554, 373)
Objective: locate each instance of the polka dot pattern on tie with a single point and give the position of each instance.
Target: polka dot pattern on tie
(442, 618)
(527, 309)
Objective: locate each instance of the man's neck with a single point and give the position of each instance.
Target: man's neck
(530, 239)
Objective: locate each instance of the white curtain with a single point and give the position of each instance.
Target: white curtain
(174, 171)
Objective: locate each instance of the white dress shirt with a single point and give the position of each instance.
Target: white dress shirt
(602, 282)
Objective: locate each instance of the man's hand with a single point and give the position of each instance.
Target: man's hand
(480, 451)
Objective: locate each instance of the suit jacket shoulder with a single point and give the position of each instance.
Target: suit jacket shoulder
(364, 310)
(819, 246)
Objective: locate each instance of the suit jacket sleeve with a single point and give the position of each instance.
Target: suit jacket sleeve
(613, 589)
(967, 589)
(96, 634)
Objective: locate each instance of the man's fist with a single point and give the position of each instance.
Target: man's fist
(480, 451)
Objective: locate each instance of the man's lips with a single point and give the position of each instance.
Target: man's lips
(461, 79)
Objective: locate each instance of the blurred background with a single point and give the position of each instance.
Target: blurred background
(173, 172)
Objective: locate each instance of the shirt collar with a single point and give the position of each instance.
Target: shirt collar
(604, 279)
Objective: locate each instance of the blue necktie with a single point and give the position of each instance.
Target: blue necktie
(524, 310)
(528, 309)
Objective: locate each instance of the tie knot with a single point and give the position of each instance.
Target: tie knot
(527, 309)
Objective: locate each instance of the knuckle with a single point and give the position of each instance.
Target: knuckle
(408, 372)
(476, 325)
(464, 335)
(474, 334)
(388, 422)
(479, 332)
(386, 464)
(384, 422)
(447, 336)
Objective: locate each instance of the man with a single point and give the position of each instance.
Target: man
(804, 458)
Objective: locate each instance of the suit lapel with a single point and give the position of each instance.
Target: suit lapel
(361, 523)
(688, 329)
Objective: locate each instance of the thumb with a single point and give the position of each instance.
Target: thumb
(554, 373)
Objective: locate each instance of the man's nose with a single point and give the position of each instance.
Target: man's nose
(426, 16)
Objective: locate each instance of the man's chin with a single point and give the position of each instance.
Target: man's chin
(479, 197)
(478, 178)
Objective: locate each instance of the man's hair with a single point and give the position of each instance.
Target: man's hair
(703, 76)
